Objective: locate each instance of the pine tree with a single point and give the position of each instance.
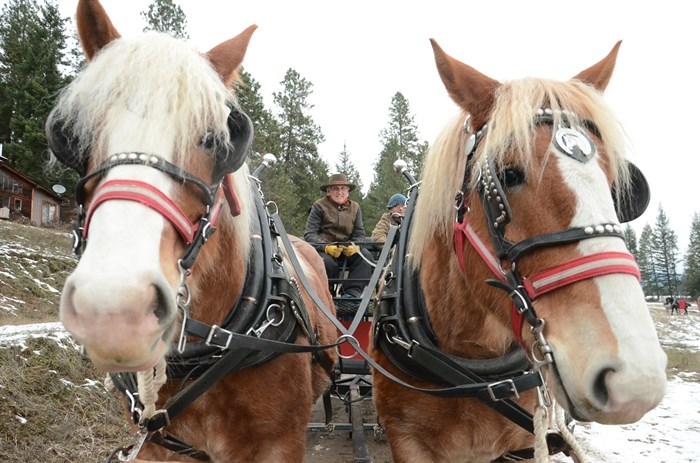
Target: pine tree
(32, 55)
(692, 259)
(647, 263)
(166, 16)
(630, 240)
(346, 166)
(400, 141)
(665, 252)
(294, 183)
(266, 128)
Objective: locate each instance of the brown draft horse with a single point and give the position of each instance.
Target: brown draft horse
(517, 190)
(154, 130)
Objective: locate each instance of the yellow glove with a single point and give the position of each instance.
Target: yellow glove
(333, 250)
(351, 250)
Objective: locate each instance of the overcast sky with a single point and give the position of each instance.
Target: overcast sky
(358, 54)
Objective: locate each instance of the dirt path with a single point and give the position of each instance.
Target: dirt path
(335, 445)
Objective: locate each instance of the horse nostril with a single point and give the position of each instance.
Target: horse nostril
(162, 310)
(600, 388)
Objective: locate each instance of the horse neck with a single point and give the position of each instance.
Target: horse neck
(463, 309)
(218, 275)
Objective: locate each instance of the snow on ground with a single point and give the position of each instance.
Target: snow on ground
(12, 335)
(668, 434)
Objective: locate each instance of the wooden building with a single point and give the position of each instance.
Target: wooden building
(21, 196)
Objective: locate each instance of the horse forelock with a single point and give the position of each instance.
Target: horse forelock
(161, 97)
(509, 133)
(145, 88)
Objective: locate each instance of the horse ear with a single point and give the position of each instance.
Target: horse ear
(470, 89)
(228, 56)
(94, 27)
(599, 74)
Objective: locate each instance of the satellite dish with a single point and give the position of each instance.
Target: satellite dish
(59, 189)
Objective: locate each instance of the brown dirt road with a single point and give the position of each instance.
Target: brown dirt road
(334, 445)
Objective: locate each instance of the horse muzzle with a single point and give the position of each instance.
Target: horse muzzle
(123, 326)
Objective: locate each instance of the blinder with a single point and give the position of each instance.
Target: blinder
(65, 145)
(573, 142)
(632, 203)
(231, 157)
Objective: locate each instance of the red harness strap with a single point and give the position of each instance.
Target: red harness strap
(150, 196)
(582, 268)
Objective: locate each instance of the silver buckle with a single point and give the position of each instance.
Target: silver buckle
(513, 390)
(214, 329)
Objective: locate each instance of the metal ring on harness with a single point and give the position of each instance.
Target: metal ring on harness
(268, 205)
(350, 338)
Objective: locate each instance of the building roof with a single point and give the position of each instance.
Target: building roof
(5, 166)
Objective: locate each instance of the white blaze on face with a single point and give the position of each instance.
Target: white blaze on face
(636, 383)
(117, 302)
(124, 236)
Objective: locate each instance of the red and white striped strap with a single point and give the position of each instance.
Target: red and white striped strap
(590, 266)
(582, 268)
(463, 229)
(148, 195)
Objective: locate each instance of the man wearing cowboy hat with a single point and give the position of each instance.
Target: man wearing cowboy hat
(334, 222)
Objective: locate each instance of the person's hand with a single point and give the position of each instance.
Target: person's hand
(333, 250)
(397, 217)
(351, 250)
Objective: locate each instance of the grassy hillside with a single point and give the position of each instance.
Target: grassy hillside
(53, 406)
(34, 263)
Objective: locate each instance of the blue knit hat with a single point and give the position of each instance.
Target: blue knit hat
(395, 200)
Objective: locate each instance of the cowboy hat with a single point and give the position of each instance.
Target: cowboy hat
(337, 180)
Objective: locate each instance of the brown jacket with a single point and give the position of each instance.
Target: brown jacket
(382, 228)
(329, 222)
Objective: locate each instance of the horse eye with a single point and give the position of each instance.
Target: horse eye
(511, 177)
(208, 141)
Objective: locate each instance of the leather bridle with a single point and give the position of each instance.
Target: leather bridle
(523, 290)
(194, 234)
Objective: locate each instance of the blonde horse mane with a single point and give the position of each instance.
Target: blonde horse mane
(157, 87)
(510, 129)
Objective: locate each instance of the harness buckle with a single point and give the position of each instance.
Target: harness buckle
(499, 384)
(214, 333)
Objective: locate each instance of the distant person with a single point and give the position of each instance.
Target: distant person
(674, 306)
(668, 304)
(682, 306)
(394, 216)
(333, 222)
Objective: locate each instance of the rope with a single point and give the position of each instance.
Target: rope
(149, 384)
(109, 384)
(578, 454)
(541, 428)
